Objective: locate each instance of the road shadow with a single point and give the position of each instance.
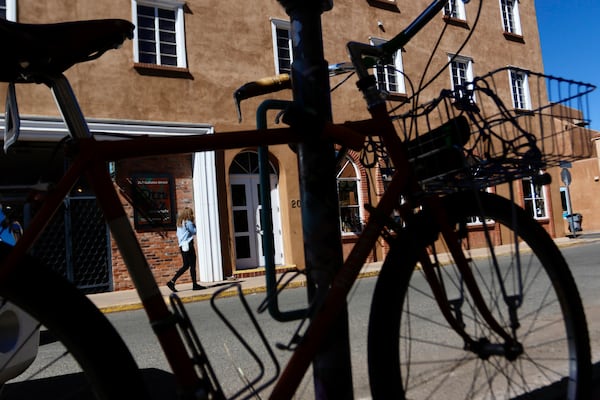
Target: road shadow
(557, 391)
(160, 383)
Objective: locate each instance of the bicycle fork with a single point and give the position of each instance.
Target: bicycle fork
(511, 348)
(451, 309)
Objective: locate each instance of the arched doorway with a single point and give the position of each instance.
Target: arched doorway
(244, 181)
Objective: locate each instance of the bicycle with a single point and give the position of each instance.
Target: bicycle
(500, 328)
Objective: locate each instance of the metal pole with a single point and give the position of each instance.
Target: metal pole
(318, 190)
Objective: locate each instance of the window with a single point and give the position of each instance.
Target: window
(455, 9)
(348, 193)
(534, 197)
(461, 73)
(510, 16)
(477, 220)
(282, 46)
(159, 34)
(390, 77)
(8, 9)
(519, 88)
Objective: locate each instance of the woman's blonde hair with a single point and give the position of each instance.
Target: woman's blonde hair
(187, 214)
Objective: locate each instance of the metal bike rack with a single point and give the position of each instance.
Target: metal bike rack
(267, 221)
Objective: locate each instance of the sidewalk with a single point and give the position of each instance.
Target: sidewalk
(124, 300)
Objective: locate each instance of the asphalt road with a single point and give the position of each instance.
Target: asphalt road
(222, 349)
(583, 259)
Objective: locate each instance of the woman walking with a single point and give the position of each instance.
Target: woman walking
(186, 230)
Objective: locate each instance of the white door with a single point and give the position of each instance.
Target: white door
(248, 232)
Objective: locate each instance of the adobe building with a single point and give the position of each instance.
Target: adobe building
(178, 75)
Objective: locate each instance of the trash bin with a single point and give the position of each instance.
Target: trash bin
(574, 222)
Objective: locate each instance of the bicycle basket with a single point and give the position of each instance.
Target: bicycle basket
(470, 137)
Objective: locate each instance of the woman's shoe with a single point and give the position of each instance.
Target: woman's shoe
(198, 287)
(171, 285)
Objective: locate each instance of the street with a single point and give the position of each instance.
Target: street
(222, 349)
(235, 366)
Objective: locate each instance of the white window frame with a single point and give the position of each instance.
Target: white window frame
(539, 213)
(11, 10)
(396, 67)
(455, 9)
(174, 5)
(282, 25)
(519, 89)
(457, 78)
(358, 206)
(509, 11)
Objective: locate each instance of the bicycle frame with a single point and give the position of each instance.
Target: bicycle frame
(90, 158)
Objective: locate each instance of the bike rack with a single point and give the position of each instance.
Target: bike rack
(267, 221)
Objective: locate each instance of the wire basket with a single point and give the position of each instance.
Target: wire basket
(470, 136)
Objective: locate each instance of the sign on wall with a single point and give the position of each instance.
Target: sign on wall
(154, 201)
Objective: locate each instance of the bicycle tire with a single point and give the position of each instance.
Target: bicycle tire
(413, 353)
(87, 336)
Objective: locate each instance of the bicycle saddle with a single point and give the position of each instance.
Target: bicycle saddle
(31, 52)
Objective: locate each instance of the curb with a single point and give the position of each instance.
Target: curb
(134, 303)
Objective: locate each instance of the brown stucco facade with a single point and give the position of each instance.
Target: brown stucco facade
(227, 45)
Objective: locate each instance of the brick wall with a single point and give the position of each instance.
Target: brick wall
(159, 245)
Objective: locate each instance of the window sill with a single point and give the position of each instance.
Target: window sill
(399, 97)
(389, 5)
(523, 111)
(513, 37)
(161, 70)
(456, 22)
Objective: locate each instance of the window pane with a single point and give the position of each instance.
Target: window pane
(168, 60)
(348, 193)
(146, 34)
(238, 195)
(168, 37)
(350, 217)
(148, 58)
(166, 14)
(3, 9)
(167, 50)
(166, 25)
(242, 247)
(145, 11)
(240, 221)
(527, 192)
(540, 208)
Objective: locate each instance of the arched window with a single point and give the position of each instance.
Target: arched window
(348, 185)
(247, 163)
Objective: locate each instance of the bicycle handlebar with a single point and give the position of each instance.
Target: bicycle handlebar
(259, 87)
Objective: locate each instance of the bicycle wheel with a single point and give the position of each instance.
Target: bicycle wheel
(415, 354)
(80, 356)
